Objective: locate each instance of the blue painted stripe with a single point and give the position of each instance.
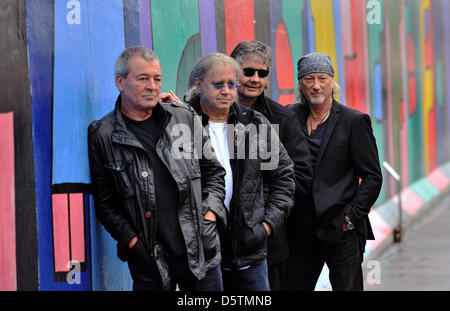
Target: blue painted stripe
(71, 95)
(40, 41)
(84, 90)
(311, 29)
(378, 92)
(84, 86)
(108, 272)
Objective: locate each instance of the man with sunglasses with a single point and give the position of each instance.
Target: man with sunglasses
(255, 59)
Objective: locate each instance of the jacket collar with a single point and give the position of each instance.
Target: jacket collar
(262, 106)
(238, 113)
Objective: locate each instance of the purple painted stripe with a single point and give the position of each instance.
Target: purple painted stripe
(145, 23)
(207, 12)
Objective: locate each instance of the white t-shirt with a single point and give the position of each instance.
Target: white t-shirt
(219, 141)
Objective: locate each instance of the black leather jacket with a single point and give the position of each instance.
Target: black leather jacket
(124, 188)
(245, 241)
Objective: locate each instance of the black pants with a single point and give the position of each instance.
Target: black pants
(180, 275)
(277, 274)
(343, 258)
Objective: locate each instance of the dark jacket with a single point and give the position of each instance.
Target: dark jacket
(348, 153)
(124, 188)
(293, 139)
(245, 241)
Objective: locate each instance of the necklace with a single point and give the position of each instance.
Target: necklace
(310, 118)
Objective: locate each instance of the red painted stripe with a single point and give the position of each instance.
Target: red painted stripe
(285, 73)
(239, 17)
(8, 269)
(286, 99)
(412, 83)
(77, 227)
(61, 244)
(284, 68)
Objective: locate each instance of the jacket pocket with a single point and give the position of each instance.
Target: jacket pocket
(252, 239)
(120, 170)
(142, 265)
(210, 239)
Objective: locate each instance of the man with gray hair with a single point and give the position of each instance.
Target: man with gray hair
(332, 224)
(255, 59)
(162, 210)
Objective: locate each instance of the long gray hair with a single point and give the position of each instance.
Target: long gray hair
(203, 66)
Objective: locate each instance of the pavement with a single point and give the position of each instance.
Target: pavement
(420, 261)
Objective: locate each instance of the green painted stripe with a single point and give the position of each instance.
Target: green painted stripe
(425, 189)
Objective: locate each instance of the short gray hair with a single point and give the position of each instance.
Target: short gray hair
(255, 49)
(122, 66)
(205, 65)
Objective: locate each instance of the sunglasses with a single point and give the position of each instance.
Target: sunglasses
(249, 72)
(221, 85)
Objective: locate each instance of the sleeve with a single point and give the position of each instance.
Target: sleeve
(212, 176)
(278, 175)
(106, 201)
(367, 167)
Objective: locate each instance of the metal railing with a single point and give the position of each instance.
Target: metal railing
(398, 181)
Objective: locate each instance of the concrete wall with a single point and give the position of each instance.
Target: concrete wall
(57, 76)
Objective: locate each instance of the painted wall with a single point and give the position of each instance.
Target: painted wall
(57, 77)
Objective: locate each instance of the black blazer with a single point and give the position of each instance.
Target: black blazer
(293, 139)
(348, 153)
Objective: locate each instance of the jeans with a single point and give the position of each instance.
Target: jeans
(343, 258)
(212, 280)
(254, 278)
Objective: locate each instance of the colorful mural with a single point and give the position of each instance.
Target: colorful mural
(391, 61)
